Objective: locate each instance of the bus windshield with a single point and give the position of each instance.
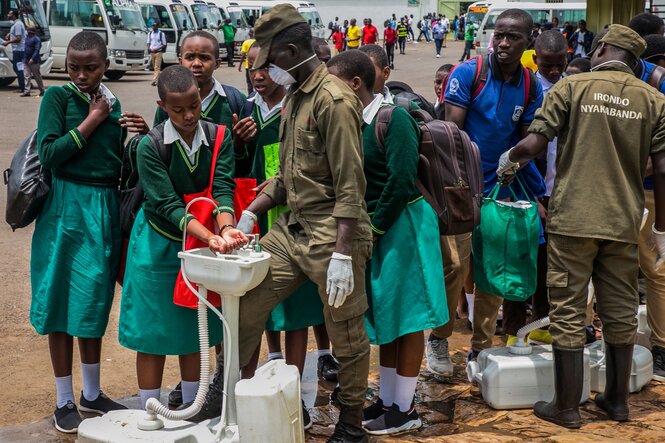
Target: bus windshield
(203, 16)
(310, 16)
(127, 12)
(236, 14)
(216, 15)
(181, 17)
(476, 14)
(31, 13)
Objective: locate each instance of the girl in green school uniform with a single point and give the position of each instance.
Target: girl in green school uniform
(150, 323)
(405, 296)
(76, 243)
(199, 52)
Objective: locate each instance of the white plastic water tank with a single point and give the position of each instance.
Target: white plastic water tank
(269, 406)
(509, 381)
(643, 337)
(640, 374)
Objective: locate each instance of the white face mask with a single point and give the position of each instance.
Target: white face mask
(281, 76)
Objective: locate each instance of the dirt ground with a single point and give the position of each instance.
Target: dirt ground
(448, 408)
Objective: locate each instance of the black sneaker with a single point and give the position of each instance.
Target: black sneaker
(394, 421)
(328, 367)
(101, 405)
(658, 363)
(175, 396)
(67, 418)
(306, 419)
(212, 407)
(374, 411)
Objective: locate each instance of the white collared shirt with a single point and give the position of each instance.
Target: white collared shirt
(171, 135)
(216, 88)
(266, 112)
(551, 146)
(106, 92)
(156, 39)
(372, 109)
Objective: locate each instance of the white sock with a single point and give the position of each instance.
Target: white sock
(189, 389)
(387, 385)
(469, 301)
(275, 356)
(405, 389)
(147, 394)
(90, 376)
(64, 390)
(323, 352)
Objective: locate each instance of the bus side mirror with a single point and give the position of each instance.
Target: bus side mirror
(310, 22)
(184, 24)
(205, 22)
(116, 20)
(238, 22)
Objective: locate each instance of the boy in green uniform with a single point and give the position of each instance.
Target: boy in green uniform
(148, 312)
(593, 219)
(199, 53)
(76, 243)
(405, 297)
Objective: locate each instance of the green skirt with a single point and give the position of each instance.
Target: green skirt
(74, 259)
(149, 320)
(405, 287)
(301, 310)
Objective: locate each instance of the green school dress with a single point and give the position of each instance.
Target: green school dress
(404, 280)
(76, 243)
(303, 308)
(149, 320)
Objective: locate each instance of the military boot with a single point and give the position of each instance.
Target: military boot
(618, 364)
(349, 428)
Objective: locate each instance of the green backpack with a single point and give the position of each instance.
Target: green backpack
(505, 246)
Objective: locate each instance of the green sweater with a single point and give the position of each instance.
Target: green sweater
(218, 111)
(390, 171)
(166, 185)
(261, 160)
(61, 147)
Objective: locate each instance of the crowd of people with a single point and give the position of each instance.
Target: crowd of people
(333, 194)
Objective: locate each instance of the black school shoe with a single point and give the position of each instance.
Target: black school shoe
(101, 405)
(374, 411)
(394, 421)
(328, 367)
(67, 418)
(175, 396)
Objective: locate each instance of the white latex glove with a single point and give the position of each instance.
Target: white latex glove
(340, 279)
(659, 243)
(246, 222)
(506, 167)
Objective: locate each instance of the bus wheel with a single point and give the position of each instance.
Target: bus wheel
(6, 81)
(114, 75)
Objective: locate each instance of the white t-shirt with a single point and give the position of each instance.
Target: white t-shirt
(579, 49)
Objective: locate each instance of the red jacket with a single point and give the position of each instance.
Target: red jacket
(338, 40)
(390, 35)
(370, 35)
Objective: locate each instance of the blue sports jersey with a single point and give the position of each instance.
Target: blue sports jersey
(494, 119)
(646, 71)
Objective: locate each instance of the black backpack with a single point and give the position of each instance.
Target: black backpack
(28, 184)
(405, 96)
(131, 191)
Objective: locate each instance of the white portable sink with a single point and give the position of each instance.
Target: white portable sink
(232, 274)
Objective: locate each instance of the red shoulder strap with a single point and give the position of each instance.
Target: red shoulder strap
(219, 139)
(479, 81)
(527, 87)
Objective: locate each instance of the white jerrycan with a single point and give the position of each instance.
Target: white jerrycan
(510, 381)
(640, 374)
(269, 407)
(643, 337)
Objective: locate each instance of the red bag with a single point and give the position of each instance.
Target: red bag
(244, 195)
(202, 211)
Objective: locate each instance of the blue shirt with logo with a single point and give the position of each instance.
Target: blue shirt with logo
(647, 68)
(494, 119)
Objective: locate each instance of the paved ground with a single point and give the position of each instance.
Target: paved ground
(451, 411)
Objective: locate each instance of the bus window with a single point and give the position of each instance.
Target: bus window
(571, 16)
(158, 13)
(538, 16)
(181, 16)
(76, 13)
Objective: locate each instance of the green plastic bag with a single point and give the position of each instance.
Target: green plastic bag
(505, 246)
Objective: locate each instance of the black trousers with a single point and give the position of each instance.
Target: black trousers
(230, 52)
(390, 51)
